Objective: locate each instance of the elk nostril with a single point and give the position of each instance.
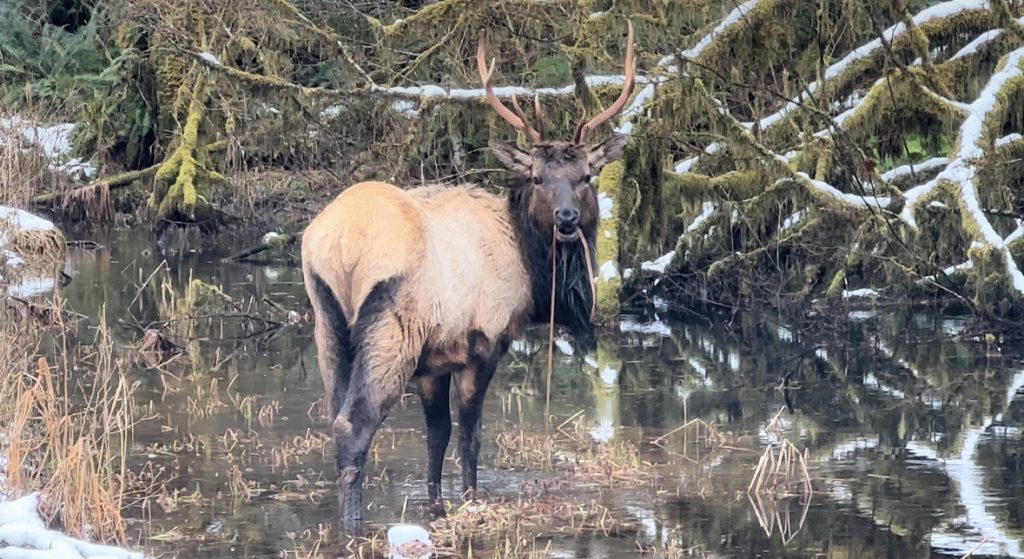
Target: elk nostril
(567, 216)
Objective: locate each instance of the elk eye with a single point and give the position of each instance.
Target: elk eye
(537, 180)
(586, 178)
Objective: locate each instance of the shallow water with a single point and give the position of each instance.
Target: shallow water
(913, 439)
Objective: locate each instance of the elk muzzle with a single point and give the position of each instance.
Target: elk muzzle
(567, 220)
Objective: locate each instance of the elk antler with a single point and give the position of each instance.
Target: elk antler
(520, 121)
(627, 89)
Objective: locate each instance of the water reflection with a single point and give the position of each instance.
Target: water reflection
(914, 438)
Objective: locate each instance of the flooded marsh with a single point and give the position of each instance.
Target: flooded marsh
(888, 435)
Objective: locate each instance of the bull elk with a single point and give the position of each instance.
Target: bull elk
(432, 283)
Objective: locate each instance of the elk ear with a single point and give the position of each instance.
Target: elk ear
(513, 158)
(607, 151)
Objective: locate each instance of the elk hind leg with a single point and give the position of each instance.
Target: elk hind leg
(387, 346)
(333, 341)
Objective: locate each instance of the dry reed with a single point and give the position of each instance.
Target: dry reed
(69, 434)
(781, 475)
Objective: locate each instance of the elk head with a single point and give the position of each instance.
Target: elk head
(559, 172)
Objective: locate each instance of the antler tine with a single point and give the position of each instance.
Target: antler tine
(627, 89)
(530, 130)
(492, 99)
(539, 115)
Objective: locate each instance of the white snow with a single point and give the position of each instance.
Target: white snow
(654, 327)
(793, 220)
(406, 534)
(685, 165)
(659, 264)
(608, 271)
(911, 196)
(20, 220)
(641, 99)
(707, 208)
(11, 259)
(30, 287)
(605, 205)
(860, 293)
(54, 141)
(734, 17)
(77, 168)
(962, 170)
(784, 334)
(564, 346)
(919, 167)
(1008, 139)
(869, 49)
(852, 199)
(634, 108)
(25, 221)
(506, 91)
(1016, 234)
(210, 57)
(972, 47)
(25, 535)
(271, 237)
(405, 108)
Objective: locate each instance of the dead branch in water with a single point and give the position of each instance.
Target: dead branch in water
(269, 242)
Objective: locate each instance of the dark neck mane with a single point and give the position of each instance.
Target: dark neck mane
(573, 299)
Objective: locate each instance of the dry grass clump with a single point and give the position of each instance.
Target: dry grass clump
(514, 527)
(570, 450)
(69, 417)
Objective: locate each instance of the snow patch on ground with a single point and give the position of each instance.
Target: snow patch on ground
(54, 141)
(26, 536)
(19, 220)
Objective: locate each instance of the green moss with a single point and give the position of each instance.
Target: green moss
(734, 185)
(837, 285)
(609, 184)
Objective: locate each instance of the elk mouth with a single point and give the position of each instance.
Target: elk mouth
(564, 237)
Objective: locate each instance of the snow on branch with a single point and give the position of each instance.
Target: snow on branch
(897, 173)
(963, 171)
(845, 68)
(733, 18)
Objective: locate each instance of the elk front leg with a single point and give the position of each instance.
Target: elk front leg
(434, 393)
(471, 390)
